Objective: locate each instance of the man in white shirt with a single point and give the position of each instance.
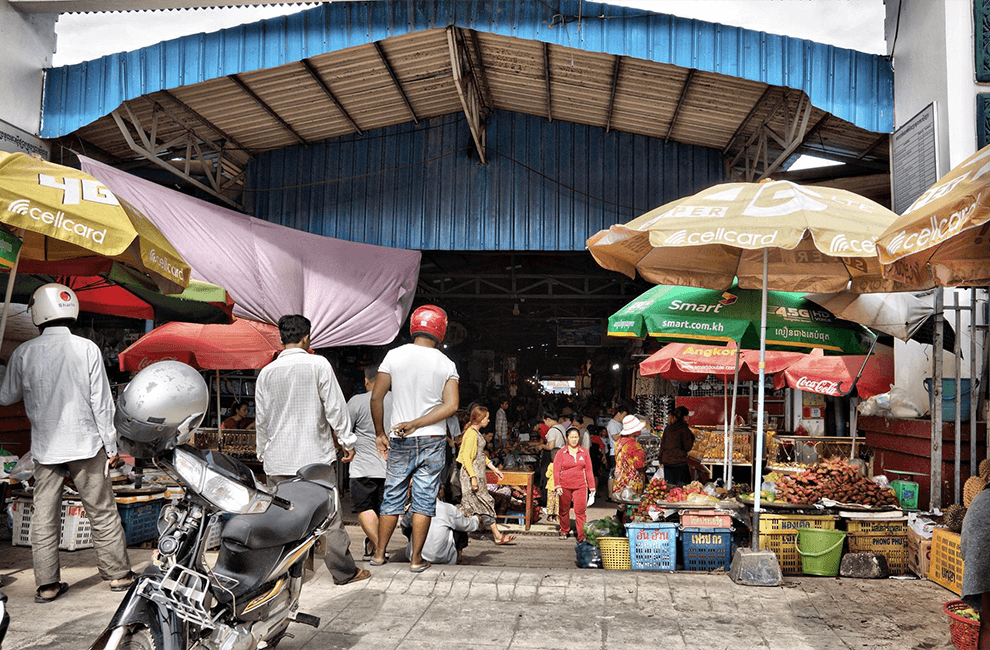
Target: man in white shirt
(300, 409)
(67, 397)
(502, 423)
(423, 382)
(367, 483)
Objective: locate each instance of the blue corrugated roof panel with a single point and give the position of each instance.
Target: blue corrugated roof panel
(548, 186)
(854, 86)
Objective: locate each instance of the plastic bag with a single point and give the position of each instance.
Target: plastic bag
(901, 405)
(605, 527)
(588, 556)
(24, 469)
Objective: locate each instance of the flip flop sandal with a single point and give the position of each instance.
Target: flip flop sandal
(373, 563)
(420, 568)
(62, 588)
(506, 539)
(123, 586)
(561, 536)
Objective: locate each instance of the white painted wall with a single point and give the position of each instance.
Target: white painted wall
(27, 42)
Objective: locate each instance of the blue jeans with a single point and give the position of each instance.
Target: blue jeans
(417, 461)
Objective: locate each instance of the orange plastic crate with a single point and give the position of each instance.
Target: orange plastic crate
(946, 567)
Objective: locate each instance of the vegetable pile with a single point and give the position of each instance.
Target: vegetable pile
(833, 479)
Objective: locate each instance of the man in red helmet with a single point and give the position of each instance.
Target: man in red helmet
(423, 382)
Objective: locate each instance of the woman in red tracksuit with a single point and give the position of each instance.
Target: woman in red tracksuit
(573, 479)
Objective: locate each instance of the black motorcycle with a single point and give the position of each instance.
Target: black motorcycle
(248, 598)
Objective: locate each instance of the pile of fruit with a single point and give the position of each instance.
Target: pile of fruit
(833, 479)
(969, 613)
(679, 494)
(655, 492)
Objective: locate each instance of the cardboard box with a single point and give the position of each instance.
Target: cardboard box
(919, 554)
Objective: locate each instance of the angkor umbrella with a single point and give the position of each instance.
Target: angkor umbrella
(63, 216)
(772, 235)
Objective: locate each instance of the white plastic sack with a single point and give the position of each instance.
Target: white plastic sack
(24, 469)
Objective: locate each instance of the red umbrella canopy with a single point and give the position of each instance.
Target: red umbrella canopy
(692, 362)
(242, 345)
(817, 373)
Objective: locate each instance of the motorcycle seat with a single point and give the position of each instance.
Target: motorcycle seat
(320, 473)
(275, 527)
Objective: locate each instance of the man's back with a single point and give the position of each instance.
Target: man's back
(61, 379)
(367, 462)
(418, 375)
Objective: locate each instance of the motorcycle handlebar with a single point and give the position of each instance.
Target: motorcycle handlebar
(284, 504)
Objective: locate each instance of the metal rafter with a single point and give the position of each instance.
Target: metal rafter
(468, 93)
(496, 286)
(873, 145)
(268, 109)
(186, 107)
(479, 73)
(680, 104)
(611, 99)
(150, 149)
(749, 116)
(756, 153)
(314, 73)
(395, 80)
(546, 75)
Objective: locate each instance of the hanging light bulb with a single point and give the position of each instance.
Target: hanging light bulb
(515, 309)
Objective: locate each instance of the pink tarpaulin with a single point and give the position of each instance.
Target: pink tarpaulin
(355, 294)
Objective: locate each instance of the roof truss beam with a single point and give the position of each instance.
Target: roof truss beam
(268, 109)
(755, 154)
(467, 92)
(546, 76)
(314, 73)
(680, 104)
(395, 80)
(491, 286)
(479, 72)
(187, 146)
(611, 99)
(210, 125)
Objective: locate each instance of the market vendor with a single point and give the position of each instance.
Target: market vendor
(975, 547)
(630, 459)
(239, 418)
(677, 442)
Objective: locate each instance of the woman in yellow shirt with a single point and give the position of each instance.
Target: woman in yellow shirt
(475, 498)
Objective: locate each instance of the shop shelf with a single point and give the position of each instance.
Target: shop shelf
(652, 546)
(706, 549)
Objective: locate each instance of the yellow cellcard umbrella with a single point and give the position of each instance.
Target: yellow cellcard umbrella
(820, 240)
(62, 214)
(943, 240)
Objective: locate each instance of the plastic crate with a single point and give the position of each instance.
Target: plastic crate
(706, 549)
(705, 519)
(946, 567)
(778, 533)
(76, 531)
(652, 546)
(140, 520)
(615, 553)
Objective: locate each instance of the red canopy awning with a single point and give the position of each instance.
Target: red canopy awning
(817, 373)
(242, 345)
(692, 362)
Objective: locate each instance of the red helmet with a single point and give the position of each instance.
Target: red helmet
(429, 320)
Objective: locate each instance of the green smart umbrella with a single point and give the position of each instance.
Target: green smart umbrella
(688, 314)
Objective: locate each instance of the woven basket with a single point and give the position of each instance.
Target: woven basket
(615, 553)
(965, 632)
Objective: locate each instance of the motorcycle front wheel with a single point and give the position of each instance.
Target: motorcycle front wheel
(140, 639)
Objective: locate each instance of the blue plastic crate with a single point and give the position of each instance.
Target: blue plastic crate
(706, 549)
(652, 546)
(140, 520)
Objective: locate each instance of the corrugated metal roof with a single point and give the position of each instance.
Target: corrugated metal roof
(548, 186)
(852, 86)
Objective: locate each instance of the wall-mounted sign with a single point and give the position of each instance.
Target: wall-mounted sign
(913, 159)
(580, 332)
(15, 140)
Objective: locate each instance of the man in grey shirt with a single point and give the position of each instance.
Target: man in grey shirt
(367, 472)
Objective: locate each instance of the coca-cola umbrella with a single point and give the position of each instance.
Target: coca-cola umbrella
(836, 375)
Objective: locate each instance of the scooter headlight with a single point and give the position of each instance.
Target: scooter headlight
(225, 493)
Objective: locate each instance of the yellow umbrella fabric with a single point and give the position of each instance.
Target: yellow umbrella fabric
(820, 239)
(943, 239)
(66, 215)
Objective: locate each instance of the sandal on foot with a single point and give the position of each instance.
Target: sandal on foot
(123, 584)
(419, 569)
(562, 536)
(57, 589)
(362, 574)
(506, 539)
(372, 562)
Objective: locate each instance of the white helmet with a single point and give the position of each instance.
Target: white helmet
(52, 302)
(160, 408)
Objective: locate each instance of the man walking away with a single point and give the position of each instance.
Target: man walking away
(423, 382)
(299, 408)
(61, 378)
(367, 482)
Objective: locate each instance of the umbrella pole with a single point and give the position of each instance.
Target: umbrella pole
(758, 457)
(732, 427)
(10, 293)
(725, 429)
(219, 415)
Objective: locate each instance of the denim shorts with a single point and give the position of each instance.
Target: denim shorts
(417, 460)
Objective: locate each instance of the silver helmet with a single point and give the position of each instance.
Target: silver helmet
(53, 302)
(160, 408)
